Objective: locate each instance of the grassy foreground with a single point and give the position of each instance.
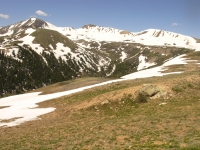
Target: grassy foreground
(81, 121)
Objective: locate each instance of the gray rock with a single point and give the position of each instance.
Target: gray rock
(153, 91)
(104, 102)
(150, 89)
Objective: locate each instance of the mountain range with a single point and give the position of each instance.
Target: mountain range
(35, 53)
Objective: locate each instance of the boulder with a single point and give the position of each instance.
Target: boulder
(150, 89)
(153, 91)
(104, 102)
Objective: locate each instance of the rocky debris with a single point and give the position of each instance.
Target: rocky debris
(104, 102)
(153, 91)
(162, 94)
(162, 104)
(125, 32)
(88, 26)
(150, 89)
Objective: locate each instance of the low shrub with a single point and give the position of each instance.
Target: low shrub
(141, 97)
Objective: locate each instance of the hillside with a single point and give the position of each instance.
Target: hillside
(65, 53)
(111, 117)
(45, 38)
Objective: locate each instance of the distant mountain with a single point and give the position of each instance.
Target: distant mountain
(96, 33)
(147, 37)
(30, 23)
(35, 53)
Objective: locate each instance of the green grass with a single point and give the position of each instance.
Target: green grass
(46, 37)
(71, 84)
(119, 124)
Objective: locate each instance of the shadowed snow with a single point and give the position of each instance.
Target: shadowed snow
(124, 56)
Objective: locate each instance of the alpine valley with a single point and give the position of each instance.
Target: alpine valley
(35, 53)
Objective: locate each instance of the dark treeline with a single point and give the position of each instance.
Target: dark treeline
(29, 71)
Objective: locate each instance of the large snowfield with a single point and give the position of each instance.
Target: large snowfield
(18, 109)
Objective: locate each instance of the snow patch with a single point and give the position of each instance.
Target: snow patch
(23, 107)
(30, 30)
(22, 23)
(61, 51)
(28, 40)
(143, 64)
(124, 56)
(10, 32)
(157, 71)
(33, 19)
(51, 46)
(113, 69)
(13, 50)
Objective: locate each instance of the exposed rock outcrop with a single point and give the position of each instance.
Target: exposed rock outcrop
(88, 26)
(153, 91)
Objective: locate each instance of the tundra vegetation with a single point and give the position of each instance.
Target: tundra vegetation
(114, 116)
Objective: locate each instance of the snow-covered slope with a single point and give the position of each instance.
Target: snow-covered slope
(165, 38)
(50, 41)
(143, 64)
(97, 33)
(24, 107)
(42, 36)
(157, 71)
(147, 37)
(23, 25)
(23, 32)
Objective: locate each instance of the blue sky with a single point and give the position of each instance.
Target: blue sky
(181, 16)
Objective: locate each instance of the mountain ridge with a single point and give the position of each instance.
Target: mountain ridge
(92, 32)
(69, 53)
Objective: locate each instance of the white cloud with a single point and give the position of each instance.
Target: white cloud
(4, 16)
(41, 13)
(175, 24)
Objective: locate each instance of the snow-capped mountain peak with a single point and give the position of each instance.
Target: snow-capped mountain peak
(96, 33)
(165, 38)
(23, 25)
